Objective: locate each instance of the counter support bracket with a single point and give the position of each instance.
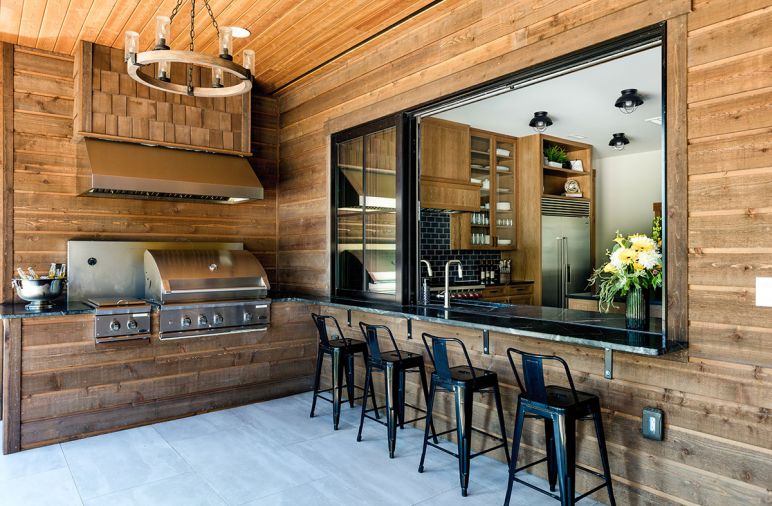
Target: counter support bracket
(348, 317)
(486, 343)
(608, 363)
(409, 328)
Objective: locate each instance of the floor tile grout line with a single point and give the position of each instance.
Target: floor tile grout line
(72, 476)
(192, 468)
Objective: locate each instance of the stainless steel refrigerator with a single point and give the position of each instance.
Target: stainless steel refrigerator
(565, 262)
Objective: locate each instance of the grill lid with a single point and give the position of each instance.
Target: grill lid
(203, 275)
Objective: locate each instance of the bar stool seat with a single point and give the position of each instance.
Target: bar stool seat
(562, 397)
(394, 364)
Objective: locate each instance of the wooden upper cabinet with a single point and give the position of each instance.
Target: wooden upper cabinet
(445, 150)
(445, 166)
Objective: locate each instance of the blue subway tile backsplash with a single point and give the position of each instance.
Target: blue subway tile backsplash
(435, 247)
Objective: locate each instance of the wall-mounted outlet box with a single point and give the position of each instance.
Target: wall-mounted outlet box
(764, 292)
(652, 423)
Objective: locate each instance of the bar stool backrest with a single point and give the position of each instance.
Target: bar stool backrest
(532, 386)
(321, 326)
(439, 354)
(371, 337)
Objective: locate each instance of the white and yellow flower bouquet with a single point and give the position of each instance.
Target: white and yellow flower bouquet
(634, 262)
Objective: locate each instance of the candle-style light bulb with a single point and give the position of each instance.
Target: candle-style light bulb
(162, 25)
(164, 71)
(130, 45)
(249, 60)
(217, 78)
(226, 43)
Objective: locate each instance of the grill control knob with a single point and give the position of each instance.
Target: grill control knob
(185, 321)
(247, 317)
(115, 325)
(132, 324)
(202, 320)
(217, 318)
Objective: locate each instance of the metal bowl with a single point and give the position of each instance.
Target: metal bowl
(39, 292)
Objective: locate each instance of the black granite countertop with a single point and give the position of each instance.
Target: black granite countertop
(61, 308)
(586, 328)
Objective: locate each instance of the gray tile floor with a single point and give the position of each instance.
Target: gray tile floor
(269, 453)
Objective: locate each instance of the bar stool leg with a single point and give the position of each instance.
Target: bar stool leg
(317, 379)
(600, 436)
(422, 373)
(429, 423)
(337, 386)
(516, 435)
(350, 378)
(464, 434)
(549, 440)
(401, 398)
(368, 379)
(372, 394)
(565, 449)
(500, 410)
(392, 406)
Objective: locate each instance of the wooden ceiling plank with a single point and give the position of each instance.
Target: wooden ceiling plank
(286, 21)
(260, 24)
(316, 50)
(112, 31)
(10, 20)
(31, 18)
(96, 19)
(71, 25)
(52, 24)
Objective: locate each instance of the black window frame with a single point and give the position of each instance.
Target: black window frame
(406, 203)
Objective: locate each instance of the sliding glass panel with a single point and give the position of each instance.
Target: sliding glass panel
(381, 212)
(350, 186)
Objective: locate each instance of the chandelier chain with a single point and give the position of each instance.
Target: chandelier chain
(211, 15)
(192, 36)
(175, 10)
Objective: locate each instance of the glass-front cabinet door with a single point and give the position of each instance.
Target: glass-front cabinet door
(504, 221)
(365, 213)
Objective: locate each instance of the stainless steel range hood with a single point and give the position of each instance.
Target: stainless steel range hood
(127, 170)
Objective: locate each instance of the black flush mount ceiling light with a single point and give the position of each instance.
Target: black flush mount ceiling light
(619, 141)
(629, 101)
(540, 121)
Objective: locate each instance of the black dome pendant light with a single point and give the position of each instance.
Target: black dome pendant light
(629, 101)
(540, 121)
(619, 141)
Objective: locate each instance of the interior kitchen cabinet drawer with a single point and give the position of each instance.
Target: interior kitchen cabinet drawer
(494, 291)
(502, 300)
(520, 299)
(520, 289)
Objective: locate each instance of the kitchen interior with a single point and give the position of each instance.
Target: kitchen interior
(545, 192)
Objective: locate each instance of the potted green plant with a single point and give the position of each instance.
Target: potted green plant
(633, 269)
(555, 155)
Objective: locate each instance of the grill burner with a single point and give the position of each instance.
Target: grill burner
(206, 292)
(120, 319)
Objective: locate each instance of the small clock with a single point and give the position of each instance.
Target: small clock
(572, 186)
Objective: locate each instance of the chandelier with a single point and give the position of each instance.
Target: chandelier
(162, 57)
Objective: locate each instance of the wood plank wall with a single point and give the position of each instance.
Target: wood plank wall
(47, 211)
(718, 442)
(71, 387)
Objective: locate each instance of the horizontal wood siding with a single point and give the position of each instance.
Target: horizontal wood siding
(47, 163)
(718, 433)
(72, 387)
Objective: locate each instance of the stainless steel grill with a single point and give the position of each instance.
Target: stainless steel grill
(120, 319)
(207, 291)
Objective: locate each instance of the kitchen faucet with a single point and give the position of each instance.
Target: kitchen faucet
(428, 267)
(447, 280)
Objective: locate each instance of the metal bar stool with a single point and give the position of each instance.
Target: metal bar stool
(342, 351)
(463, 381)
(394, 365)
(560, 408)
